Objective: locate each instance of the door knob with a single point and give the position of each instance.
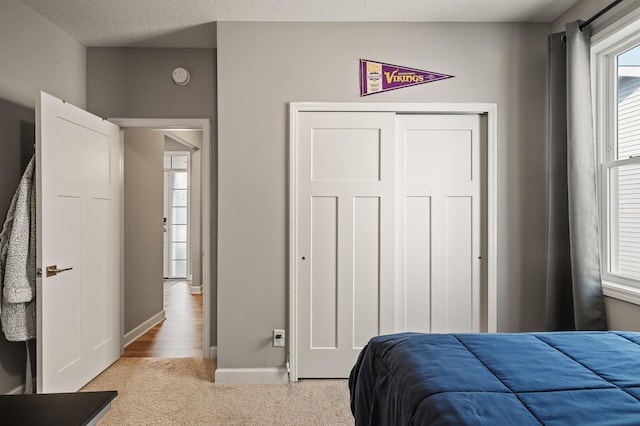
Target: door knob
(53, 270)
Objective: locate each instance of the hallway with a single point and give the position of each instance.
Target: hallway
(180, 334)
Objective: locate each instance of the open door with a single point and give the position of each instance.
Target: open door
(78, 245)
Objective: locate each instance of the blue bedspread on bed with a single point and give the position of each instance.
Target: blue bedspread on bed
(567, 378)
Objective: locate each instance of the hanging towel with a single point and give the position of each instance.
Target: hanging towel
(18, 267)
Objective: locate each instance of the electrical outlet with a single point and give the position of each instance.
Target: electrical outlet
(278, 337)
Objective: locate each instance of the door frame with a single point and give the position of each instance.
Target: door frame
(171, 124)
(295, 108)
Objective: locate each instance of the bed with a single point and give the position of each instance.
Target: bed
(569, 378)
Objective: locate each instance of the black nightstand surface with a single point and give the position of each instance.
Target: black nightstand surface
(52, 409)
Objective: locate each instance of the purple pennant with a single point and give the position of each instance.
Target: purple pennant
(378, 77)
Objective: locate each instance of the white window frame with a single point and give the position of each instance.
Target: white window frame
(606, 46)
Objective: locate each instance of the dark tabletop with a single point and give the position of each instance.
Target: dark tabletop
(68, 409)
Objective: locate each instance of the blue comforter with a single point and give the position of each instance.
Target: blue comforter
(567, 378)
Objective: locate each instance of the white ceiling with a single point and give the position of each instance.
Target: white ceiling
(191, 23)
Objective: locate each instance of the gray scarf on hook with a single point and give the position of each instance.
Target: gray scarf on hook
(17, 266)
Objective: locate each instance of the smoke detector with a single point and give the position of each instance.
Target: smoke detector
(180, 76)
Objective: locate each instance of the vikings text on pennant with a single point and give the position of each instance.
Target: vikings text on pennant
(377, 77)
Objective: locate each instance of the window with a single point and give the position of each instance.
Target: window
(617, 100)
(177, 214)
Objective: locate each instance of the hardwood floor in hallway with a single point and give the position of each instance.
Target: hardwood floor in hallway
(180, 334)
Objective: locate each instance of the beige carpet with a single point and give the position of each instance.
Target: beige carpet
(179, 391)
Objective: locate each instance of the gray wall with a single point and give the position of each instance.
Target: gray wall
(136, 83)
(143, 202)
(264, 66)
(36, 56)
(622, 315)
(17, 136)
(583, 10)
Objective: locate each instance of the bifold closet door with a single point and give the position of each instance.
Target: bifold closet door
(346, 236)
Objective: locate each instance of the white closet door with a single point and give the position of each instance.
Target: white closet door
(439, 188)
(345, 248)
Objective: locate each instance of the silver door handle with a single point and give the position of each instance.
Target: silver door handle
(53, 270)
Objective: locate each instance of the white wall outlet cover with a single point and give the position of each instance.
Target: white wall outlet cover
(180, 76)
(278, 337)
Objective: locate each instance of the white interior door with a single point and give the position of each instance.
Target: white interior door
(345, 251)
(78, 211)
(439, 211)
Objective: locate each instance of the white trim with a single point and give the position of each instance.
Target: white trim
(256, 376)
(134, 334)
(492, 218)
(490, 109)
(122, 235)
(418, 108)
(167, 124)
(621, 292)
(213, 352)
(195, 289)
(616, 27)
(617, 36)
(628, 71)
(292, 343)
(205, 125)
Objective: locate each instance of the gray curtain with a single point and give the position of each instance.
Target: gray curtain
(574, 284)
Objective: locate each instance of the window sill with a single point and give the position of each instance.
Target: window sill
(621, 292)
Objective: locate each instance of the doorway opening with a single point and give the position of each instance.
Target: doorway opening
(182, 277)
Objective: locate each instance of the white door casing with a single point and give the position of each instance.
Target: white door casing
(345, 251)
(451, 225)
(78, 227)
(205, 203)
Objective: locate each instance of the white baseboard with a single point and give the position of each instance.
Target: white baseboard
(195, 289)
(213, 352)
(131, 336)
(275, 375)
